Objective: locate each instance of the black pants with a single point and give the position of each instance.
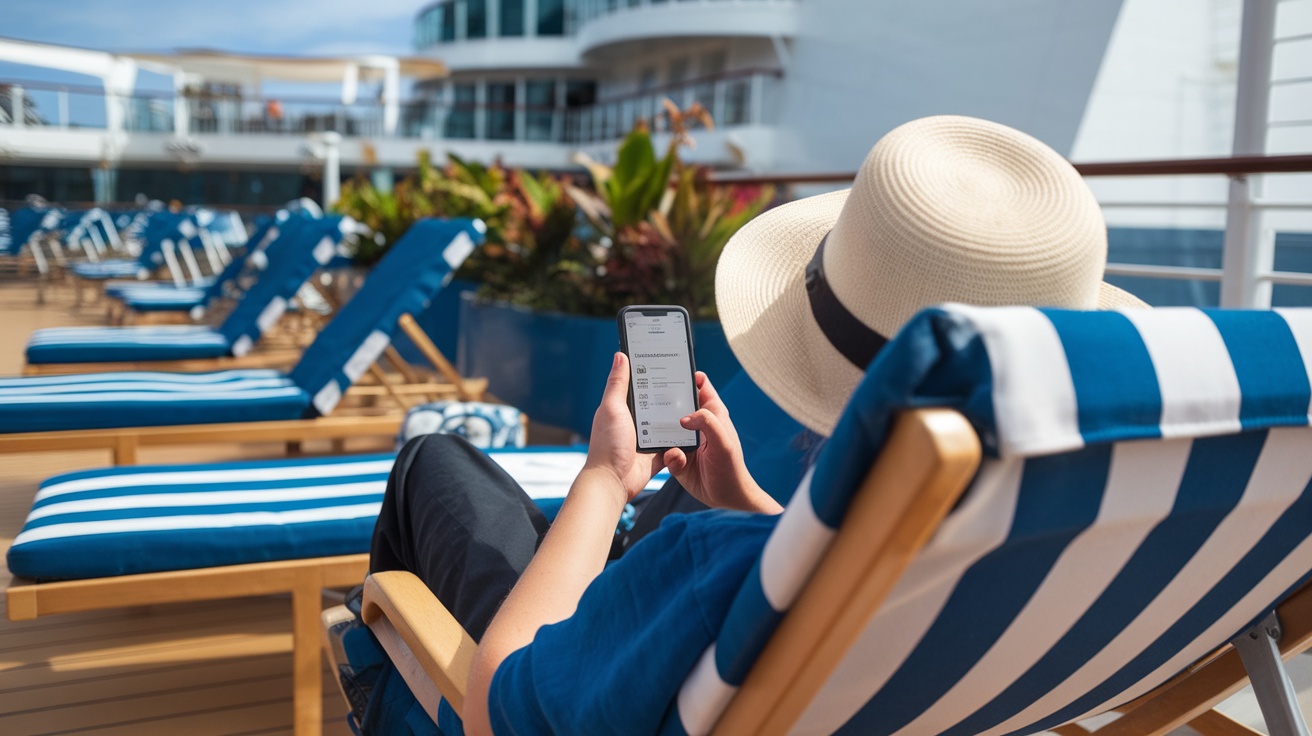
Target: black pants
(455, 519)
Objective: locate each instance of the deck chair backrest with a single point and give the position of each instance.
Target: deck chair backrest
(1144, 498)
(27, 222)
(303, 246)
(417, 265)
(262, 235)
(161, 226)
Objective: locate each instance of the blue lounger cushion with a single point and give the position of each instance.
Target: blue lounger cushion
(147, 289)
(113, 344)
(143, 399)
(115, 269)
(127, 520)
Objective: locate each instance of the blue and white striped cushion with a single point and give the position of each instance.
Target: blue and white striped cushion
(116, 268)
(143, 399)
(118, 521)
(112, 344)
(1085, 565)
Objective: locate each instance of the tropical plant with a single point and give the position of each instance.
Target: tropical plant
(662, 243)
(631, 238)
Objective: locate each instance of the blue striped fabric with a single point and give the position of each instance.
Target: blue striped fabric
(167, 297)
(119, 521)
(1147, 494)
(405, 281)
(29, 222)
(301, 247)
(159, 227)
(144, 399)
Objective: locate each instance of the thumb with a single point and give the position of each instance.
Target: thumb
(617, 383)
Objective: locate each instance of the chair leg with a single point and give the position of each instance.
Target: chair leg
(1260, 653)
(125, 450)
(1216, 723)
(307, 672)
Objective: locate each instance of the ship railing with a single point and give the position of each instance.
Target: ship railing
(741, 97)
(1266, 261)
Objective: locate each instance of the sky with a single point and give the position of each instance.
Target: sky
(282, 27)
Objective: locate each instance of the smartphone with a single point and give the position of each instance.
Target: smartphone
(662, 390)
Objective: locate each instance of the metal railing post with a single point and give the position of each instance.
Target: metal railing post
(17, 107)
(1247, 256)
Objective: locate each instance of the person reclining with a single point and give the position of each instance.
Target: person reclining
(944, 209)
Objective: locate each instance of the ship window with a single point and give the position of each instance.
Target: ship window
(512, 18)
(551, 17)
(475, 18)
(540, 98)
(501, 111)
(460, 119)
(449, 21)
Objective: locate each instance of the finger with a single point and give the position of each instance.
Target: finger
(709, 397)
(675, 460)
(658, 463)
(617, 383)
(705, 421)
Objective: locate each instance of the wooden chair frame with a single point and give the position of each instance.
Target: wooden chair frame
(929, 461)
(362, 413)
(303, 579)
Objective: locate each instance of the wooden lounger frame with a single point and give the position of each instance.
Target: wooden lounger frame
(303, 579)
(363, 412)
(929, 461)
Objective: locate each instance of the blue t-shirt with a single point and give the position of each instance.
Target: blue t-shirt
(616, 665)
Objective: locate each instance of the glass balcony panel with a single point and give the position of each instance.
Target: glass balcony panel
(501, 111)
(540, 117)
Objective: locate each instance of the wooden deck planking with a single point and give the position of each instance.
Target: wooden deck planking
(219, 667)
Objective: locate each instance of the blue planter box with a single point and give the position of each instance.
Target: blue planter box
(553, 366)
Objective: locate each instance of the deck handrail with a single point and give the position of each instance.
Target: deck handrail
(1232, 166)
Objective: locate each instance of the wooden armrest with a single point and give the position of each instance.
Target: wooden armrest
(425, 642)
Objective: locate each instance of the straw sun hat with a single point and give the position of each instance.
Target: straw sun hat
(944, 209)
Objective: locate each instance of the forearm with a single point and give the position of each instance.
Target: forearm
(572, 554)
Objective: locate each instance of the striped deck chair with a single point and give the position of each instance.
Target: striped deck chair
(1143, 499)
(155, 297)
(122, 411)
(302, 247)
(27, 228)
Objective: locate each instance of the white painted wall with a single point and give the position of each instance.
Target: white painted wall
(860, 68)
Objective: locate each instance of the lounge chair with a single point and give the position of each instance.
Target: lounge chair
(122, 411)
(27, 228)
(1142, 500)
(302, 246)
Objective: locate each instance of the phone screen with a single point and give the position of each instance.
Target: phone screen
(661, 377)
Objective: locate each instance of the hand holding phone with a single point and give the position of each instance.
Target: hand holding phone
(662, 390)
